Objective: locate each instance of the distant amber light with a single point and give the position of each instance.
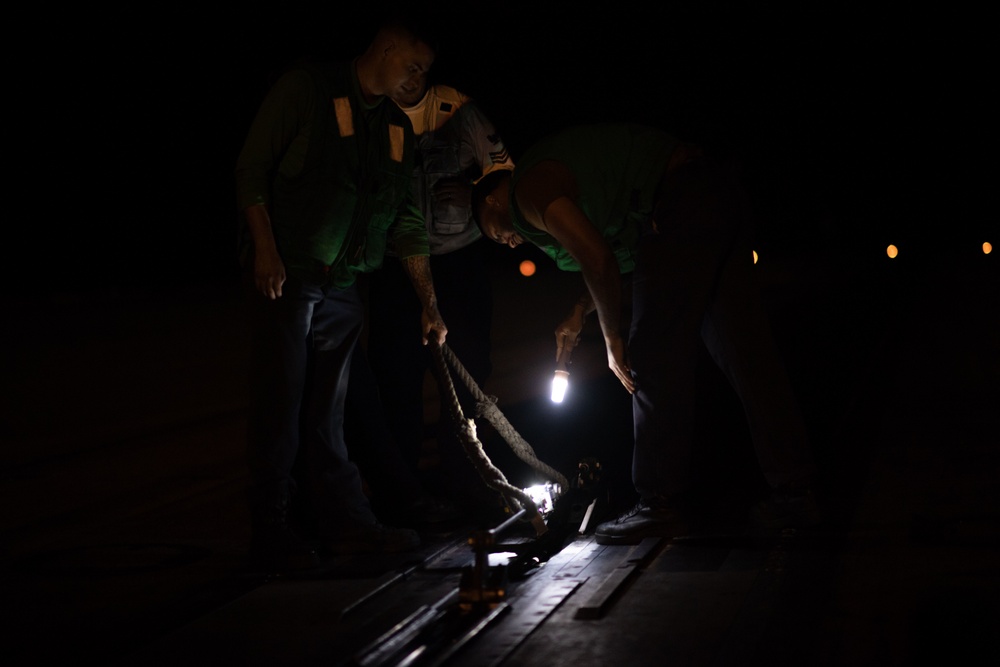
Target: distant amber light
(754, 256)
(892, 251)
(987, 248)
(527, 268)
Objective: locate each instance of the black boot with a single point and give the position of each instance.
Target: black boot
(275, 548)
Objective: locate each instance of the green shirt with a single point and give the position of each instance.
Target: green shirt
(334, 173)
(617, 168)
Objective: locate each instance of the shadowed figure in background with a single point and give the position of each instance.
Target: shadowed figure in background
(618, 198)
(456, 144)
(395, 489)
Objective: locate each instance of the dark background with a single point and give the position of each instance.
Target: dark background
(131, 121)
(123, 405)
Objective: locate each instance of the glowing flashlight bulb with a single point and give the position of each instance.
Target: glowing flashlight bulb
(559, 385)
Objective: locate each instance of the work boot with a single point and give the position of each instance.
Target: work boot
(651, 517)
(274, 546)
(370, 538)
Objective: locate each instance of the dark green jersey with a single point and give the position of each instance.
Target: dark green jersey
(334, 173)
(617, 168)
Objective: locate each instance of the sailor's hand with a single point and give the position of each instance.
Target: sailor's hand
(433, 326)
(618, 362)
(269, 274)
(568, 335)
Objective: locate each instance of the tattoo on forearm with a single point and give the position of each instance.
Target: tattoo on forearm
(419, 270)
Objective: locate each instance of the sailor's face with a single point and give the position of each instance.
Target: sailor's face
(407, 69)
(497, 227)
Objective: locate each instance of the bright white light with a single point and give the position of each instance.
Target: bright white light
(543, 495)
(559, 385)
(501, 558)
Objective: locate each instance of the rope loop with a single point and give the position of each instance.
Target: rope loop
(486, 407)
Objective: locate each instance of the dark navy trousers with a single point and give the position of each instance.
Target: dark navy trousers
(694, 284)
(301, 351)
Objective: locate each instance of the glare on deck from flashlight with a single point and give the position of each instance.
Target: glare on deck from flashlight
(543, 495)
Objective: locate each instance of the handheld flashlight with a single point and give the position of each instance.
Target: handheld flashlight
(560, 381)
